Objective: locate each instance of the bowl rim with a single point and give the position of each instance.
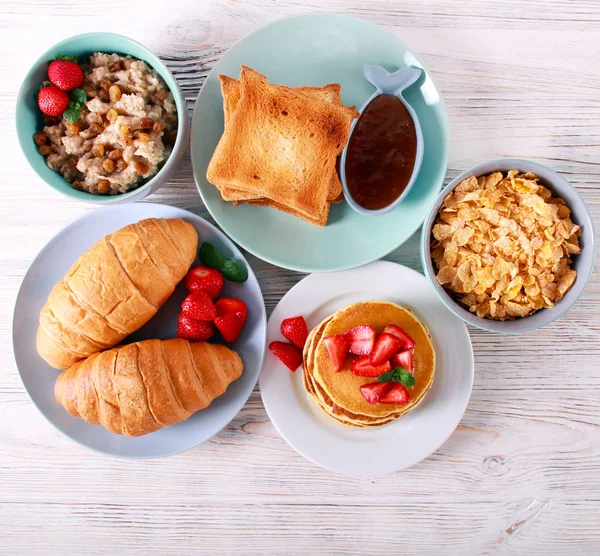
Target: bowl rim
(482, 323)
(178, 98)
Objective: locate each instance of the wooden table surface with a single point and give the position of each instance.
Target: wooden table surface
(520, 475)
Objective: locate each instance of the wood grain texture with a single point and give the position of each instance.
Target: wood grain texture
(520, 475)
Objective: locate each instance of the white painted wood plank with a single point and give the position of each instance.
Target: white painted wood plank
(521, 475)
(456, 528)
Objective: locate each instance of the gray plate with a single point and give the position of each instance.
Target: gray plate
(38, 377)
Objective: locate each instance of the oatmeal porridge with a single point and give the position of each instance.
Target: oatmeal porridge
(125, 131)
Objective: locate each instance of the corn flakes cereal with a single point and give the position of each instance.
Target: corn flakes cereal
(502, 245)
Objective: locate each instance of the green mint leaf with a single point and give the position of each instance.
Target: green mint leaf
(72, 105)
(403, 377)
(386, 377)
(71, 115)
(210, 256)
(78, 96)
(234, 271)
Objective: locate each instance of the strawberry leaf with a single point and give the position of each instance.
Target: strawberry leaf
(42, 86)
(66, 58)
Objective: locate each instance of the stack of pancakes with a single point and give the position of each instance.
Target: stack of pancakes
(279, 146)
(338, 394)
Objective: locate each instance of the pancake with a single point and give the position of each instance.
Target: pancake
(343, 388)
(320, 396)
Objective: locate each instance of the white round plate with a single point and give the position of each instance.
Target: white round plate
(404, 442)
(38, 377)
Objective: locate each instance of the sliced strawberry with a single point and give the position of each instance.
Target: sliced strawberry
(385, 346)
(404, 359)
(288, 354)
(197, 330)
(338, 350)
(231, 306)
(199, 306)
(230, 327)
(231, 317)
(360, 339)
(397, 394)
(374, 391)
(204, 279)
(405, 340)
(363, 367)
(295, 330)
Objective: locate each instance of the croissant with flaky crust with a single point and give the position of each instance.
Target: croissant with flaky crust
(142, 387)
(114, 288)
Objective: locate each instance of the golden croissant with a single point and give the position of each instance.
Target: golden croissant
(142, 387)
(114, 288)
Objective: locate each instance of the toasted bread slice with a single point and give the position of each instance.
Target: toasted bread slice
(315, 219)
(280, 145)
(232, 90)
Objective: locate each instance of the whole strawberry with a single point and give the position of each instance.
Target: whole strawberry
(288, 354)
(295, 330)
(197, 330)
(65, 74)
(52, 101)
(199, 306)
(204, 279)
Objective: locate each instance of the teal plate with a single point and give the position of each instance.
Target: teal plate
(317, 49)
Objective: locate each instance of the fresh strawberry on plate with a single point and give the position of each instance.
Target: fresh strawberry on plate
(231, 317)
(204, 279)
(397, 394)
(199, 306)
(288, 354)
(337, 348)
(385, 346)
(295, 330)
(197, 330)
(363, 367)
(405, 340)
(374, 391)
(404, 359)
(360, 339)
(231, 306)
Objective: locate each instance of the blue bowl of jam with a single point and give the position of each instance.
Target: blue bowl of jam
(383, 156)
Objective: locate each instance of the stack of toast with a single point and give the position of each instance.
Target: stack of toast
(279, 146)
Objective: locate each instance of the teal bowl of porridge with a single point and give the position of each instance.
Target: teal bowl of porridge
(132, 128)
